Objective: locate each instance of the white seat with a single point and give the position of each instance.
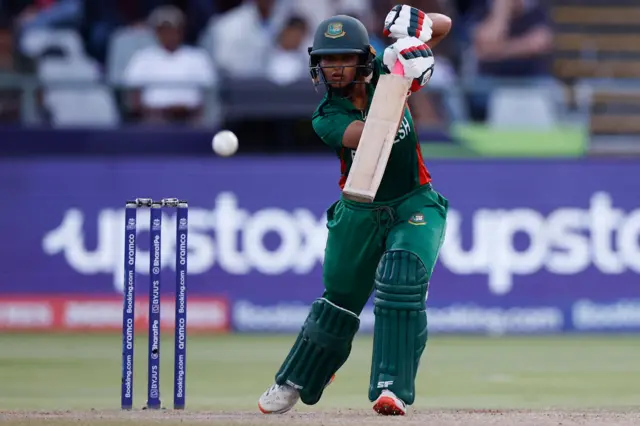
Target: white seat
(533, 108)
(93, 106)
(58, 70)
(73, 94)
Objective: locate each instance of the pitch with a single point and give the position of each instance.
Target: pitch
(74, 380)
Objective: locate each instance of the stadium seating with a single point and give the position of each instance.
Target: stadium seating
(73, 94)
(598, 48)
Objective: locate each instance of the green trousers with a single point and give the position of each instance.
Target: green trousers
(392, 247)
(360, 233)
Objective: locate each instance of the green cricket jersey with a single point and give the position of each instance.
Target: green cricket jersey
(405, 169)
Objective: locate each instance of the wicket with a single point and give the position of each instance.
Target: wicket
(128, 317)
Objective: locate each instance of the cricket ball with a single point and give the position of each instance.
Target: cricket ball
(225, 143)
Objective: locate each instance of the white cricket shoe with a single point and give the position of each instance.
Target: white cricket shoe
(278, 399)
(388, 404)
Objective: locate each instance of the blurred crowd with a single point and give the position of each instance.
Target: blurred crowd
(197, 44)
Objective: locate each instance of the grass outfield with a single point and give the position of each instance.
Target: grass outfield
(80, 373)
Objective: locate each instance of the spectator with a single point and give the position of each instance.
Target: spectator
(288, 61)
(157, 68)
(512, 39)
(29, 18)
(48, 13)
(103, 17)
(243, 37)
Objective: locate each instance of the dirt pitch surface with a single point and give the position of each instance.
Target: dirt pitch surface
(328, 418)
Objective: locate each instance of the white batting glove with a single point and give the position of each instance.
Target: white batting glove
(416, 58)
(406, 21)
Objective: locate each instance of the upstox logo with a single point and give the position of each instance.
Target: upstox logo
(227, 236)
(566, 241)
(597, 236)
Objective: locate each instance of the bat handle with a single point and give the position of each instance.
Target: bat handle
(398, 69)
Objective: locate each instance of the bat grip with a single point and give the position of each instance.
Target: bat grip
(398, 69)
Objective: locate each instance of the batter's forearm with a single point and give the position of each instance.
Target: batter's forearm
(441, 27)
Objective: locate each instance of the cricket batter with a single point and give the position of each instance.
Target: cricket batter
(389, 246)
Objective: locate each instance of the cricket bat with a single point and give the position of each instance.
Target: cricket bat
(376, 141)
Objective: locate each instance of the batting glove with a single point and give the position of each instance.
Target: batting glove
(416, 58)
(406, 21)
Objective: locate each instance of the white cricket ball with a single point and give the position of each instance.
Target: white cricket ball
(225, 143)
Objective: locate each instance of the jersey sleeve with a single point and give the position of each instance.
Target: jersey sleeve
(331, 125)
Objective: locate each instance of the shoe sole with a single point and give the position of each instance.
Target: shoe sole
(386, 406)
(263, 411)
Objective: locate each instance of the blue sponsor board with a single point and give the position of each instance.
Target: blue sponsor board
(531, 246)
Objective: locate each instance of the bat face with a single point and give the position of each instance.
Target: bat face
(380, 128)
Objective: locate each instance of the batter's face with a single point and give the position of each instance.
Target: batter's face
(339, 70)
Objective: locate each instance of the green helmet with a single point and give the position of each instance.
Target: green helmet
(341, 35)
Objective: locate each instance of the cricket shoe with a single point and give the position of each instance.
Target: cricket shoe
(279, 399)
(388, 404)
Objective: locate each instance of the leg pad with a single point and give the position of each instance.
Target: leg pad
(400, 332)
(322, 347)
